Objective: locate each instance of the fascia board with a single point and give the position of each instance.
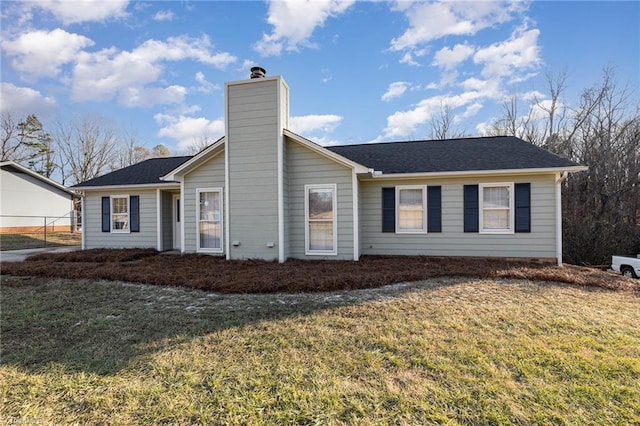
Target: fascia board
(471, 173)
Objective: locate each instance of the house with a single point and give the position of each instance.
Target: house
(28, 200)
(264, 192)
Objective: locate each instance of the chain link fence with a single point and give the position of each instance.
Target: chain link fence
(24, 232)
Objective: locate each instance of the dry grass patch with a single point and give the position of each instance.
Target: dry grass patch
(255, 276)
(37, 240)
(456, 351)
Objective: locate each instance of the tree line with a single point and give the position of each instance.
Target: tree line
(72, 151)
(601, 206)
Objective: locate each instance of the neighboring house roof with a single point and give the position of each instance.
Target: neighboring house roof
(452, 155)
(147, 172)
(14, 167)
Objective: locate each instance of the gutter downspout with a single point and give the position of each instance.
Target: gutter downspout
(560, 178)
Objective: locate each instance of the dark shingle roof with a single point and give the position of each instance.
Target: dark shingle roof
(452, 155)
(145, 172)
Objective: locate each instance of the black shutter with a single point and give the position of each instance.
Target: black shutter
(388, 209)
(434, 209)
(523, 207)
(471, 215)
(134, 214)
(106, 214)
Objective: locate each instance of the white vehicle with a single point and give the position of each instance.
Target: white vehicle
(628, 266)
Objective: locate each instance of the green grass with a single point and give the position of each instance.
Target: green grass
(441, 351)
(37, 240)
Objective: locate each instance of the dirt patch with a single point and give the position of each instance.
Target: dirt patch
(255, 276)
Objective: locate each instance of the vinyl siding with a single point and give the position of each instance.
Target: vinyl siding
(305, 167)
(253, 134)
(208, 175)
(452, 241)
(92, 226)
(24, 195)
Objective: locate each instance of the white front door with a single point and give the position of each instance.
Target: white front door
(177, 229)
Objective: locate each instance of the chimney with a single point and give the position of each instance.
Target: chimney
(257, 72)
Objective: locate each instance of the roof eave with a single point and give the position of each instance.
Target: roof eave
(530, 171)
(165, 185)
(39, 176)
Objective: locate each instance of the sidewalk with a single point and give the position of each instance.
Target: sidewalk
(20, 255)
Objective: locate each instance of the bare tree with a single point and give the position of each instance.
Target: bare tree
(86, 147)
(443, 125)
(130, 152)
(601, 206)
(200, 143)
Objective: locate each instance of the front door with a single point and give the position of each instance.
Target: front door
(177, 228)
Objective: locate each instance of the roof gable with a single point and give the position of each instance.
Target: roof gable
(452, 155)
(147, 172)
(12, 166)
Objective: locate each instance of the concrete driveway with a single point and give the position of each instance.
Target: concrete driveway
(20, 255)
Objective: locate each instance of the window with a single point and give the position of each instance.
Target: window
(209, 220)
(496, 212)
(119, 213)
(410, 210)
(320, 212)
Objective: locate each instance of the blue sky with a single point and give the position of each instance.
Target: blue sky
(358, 71)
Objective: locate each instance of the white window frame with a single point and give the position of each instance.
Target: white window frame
(481, 207)
(111, 213)
(197, 204)
(422, 230)
(334, 204)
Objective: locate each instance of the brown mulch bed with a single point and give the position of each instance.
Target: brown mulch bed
(254, 276)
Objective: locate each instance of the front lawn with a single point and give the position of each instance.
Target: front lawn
(455, 351)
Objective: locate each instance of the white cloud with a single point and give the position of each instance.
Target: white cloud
(450, 58)
(42, 53)
(294, 21)
(148, 97)
(22, 101)
(72, 12)
(519, 53)
(164, 15)
(471, 110)
(533, 95)
(434, 20)
(308, 123)
(404, 123)
(205, 86)
(407, 58)
(109, 72)
(187, 131)
(395, 90)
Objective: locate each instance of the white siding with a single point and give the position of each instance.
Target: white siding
(92, 226)
(25, 195)
(254, 130)
(452, 241)
(305, 167)
(207, 175)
